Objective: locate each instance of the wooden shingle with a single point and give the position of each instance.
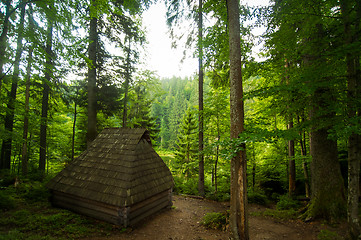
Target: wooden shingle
(119, 170)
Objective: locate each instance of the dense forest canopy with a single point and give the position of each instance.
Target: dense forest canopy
(69, 69)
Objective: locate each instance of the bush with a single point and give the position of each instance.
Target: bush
(257, 197)
(280, 214)
(219, 197)
(7, 202)
(186, 186)
(12, 235)
(328, 235)
(6, 178)
(215, 220)
(34, 192)
(286, 203)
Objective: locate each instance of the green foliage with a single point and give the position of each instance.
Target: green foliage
(186, 154)
(6, 178)
(185, 186)
(287, 203)
(34, 192)
(60, 224)
(172, 100)
(216, 220)
(278, 214)
(33, 218)
(328, 235)
(257, 197)
(12, 235)
(6, 200)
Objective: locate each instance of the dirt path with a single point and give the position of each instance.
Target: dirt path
(183, 222)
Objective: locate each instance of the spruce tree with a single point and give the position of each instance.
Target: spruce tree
(187, 145)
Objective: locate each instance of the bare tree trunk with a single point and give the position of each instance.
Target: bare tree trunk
(9, 118)
(304, 164)
(238, 212)
(351, 28)
(46, 91)
(126, 86)
(200, 100)
(3, 39)
(291, 171)
(328, 193)
(291, 165)
(73, 136)
(92, 85)
(216, 165)
(24, 152)
(327, 186)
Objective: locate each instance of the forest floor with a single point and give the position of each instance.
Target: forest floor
(183, 221)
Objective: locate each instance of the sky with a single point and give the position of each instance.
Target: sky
(160, 56)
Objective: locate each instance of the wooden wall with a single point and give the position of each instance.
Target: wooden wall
(119, 215)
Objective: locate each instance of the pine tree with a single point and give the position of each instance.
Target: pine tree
(187, 145)
(139, 113)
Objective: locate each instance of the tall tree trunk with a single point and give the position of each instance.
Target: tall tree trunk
(291, 164)
(291, 143)
(92, 83)
(216, 165)
(328, 193)
(327, 186)
(353, 86)
(4, 38)
(304, 163)
(73, 136)
(46, 91)
(24, 152)
(238, 212)
(126, 87)
(200, 100)
(9, 118)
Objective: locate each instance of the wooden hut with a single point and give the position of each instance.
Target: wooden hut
(119, 179)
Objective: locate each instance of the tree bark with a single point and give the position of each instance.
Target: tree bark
(24, 152)
(46, 91)
(291, 165)
(200, 100)
(73, 136)
(126, 86)
(353, 86)
(328, 193)
(304, 164)
(92, 98)
(238, 208)
(327, 186)
(9, 118)
(3, 39)
(216, 165)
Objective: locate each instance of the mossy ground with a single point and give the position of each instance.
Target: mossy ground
(25, 215)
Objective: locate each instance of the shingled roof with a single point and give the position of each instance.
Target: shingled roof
(119, 168)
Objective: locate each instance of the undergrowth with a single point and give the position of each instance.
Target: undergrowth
(216, 220)
(328, 235)
(278, 214)
(286, 209)
(25, 213)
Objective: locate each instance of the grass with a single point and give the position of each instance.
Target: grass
(278, 214)
(328, 235)
(216, 220)
(32, 217)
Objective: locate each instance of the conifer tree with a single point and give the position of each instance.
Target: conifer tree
(187, 145)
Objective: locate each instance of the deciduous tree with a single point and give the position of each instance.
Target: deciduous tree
(239, 212)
